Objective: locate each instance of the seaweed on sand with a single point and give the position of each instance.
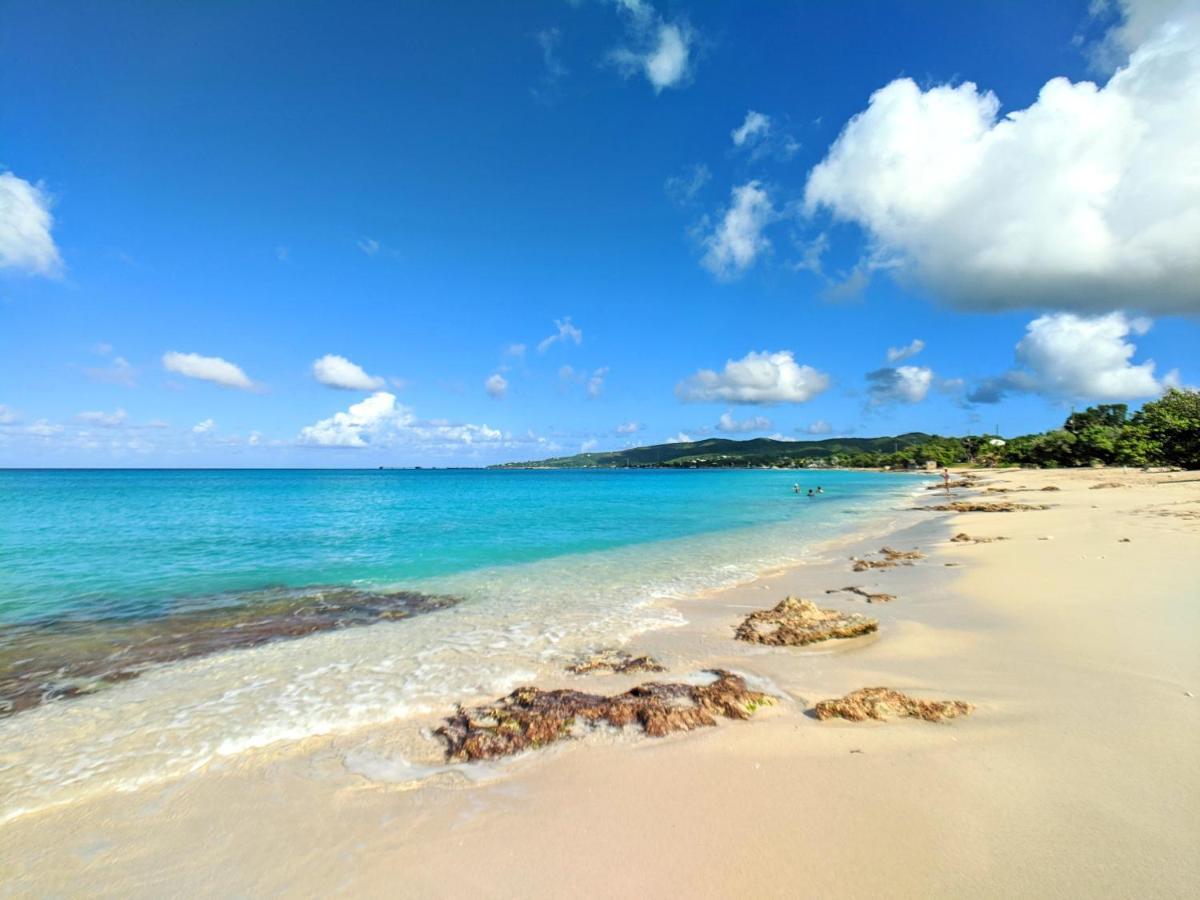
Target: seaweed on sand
(530, 717)
(884, 703)
(961, 506)
(795, 622)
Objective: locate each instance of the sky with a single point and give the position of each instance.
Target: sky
(329, 234)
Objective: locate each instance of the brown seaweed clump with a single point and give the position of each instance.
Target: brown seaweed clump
(795, 622)
(1100, 485)
(616, 661)
(884, 703)
(1051, 487)
(530, 717)
(890, 559)
(869, 596)
(963, 506)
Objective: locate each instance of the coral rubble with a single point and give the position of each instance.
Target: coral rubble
(884, 703)
(795, 622)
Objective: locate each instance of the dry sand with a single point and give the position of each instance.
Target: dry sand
(1075, 775)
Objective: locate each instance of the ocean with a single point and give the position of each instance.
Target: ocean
(153, 620)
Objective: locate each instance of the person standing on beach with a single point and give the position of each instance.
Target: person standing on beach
(946, 478)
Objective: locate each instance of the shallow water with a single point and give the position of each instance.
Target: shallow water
(546, 564)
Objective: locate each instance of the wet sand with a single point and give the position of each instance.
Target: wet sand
(1075, 774)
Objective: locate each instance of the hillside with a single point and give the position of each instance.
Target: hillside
(725, 453)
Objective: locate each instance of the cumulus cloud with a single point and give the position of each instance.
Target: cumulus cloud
(758, 135)
(899, 354)
(338, 372)
(204, 427)
(566, 333)
(26, 243)
(683, 188)
(680, 438)
(114, 419)
(588, 445)
(820, 426)
(595, 382)
(207, 368)
(1086, 200)
(623, 428)
(904, 384)
(757, 378)
(119, 372)
(738, 238)
(660, 50)
(496, 386)
(1069, 357)
(379, 421)
(728, 424)
(755, 127)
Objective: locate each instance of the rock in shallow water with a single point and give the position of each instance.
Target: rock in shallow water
(884, 703)
(795, 622)
(616, 661)
(530, 717)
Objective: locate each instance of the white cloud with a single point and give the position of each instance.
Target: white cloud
(738, 239)
(905, 384)
(628, 428)
(680, 438)
(105, 420)
(369, 246)
(595, 382)
(548, 40)
(757, 378)
(8, 415)
(1086, 200)
(1071, 357)
(515, 350)
(42, 428)
(755, 127)
(684, 187)
(255, 438)
(379, 421)
(338, 372)
(496, 386)
(658, 49)
(566, 332)
(588, 445)
(207, 368)
(898, 354)
(26, 243)
(728, 424)
(204, 427)
(820, 426)
(120, 372)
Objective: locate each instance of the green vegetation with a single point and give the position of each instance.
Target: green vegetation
(1164, 432)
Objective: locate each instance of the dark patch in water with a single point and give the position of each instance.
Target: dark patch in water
(70, 658)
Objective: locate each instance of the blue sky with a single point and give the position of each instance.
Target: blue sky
(201, 202)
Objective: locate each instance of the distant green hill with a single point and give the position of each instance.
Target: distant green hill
(724, 453)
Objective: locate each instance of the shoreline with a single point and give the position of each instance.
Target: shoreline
(1073, 773)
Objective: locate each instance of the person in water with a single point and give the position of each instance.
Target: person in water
(820, 490)
(795, 488)
(810, 492)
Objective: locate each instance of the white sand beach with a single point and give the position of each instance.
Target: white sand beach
(1075, 639)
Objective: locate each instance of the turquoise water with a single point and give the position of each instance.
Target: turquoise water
(101, 543)
(543, 566)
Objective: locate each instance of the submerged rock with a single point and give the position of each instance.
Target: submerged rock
(795, 622)
(530, 717)
(962, 506)
(884, 703)
(616, 661)
(57, 660)
(869, 596)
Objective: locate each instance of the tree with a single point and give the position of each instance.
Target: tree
(1106, 415)
(1167, 431)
